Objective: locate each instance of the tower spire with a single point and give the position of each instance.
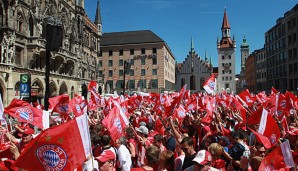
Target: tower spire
(210, 60)
(225, 21)
(191, 45)
(206, 56)
(97, 14)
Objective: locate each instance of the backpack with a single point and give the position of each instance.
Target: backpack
(237, 151)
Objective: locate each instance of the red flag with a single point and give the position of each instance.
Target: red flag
(280, 158)
(114, 123)
(274, 91)
(262, 139)
(246, 98)
(62, 147)
(192, 105)
(92, 86)
(210, 84)
(24, 112)
(60, 104)
(77, 105)
(255, 117)
(159, 127)
(179, 113)
(95, 101)
(235, 104)
(269, 128)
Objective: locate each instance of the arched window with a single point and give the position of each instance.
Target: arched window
(20, 22)
(31, 26)
(192, 82)
(182, 82)
(202, 81)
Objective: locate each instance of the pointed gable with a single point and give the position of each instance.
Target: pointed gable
(225, 21)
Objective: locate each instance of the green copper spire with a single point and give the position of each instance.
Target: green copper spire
(244, 43)
(206, 56)
(192, 45)
(210, 60)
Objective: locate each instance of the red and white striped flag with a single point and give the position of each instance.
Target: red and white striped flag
(210, 85)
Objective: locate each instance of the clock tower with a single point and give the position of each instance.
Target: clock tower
(226, 48)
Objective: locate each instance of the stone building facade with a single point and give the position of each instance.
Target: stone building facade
(250, 72)
(23, 25)
(193, 71)
(151, 60)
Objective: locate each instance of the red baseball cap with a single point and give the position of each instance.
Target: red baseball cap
(28, 131)
(293, 131)
(106, 155)
(202, 157)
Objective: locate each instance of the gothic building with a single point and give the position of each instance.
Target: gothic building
(193, 71)
(23, 25)
(241, 83)
(226, 48)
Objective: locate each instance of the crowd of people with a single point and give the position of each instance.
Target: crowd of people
(214, 134)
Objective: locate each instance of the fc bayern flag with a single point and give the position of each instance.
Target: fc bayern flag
(115, 123)
(179, 113)
(269, 128)
(62, 147)
(60, 104)
(210, 85)
(92, 86)
(24, 112)
(279, 159)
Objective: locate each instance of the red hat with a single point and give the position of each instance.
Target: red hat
(203, 157)
(106, 155)
(293, 131)
(28, 131)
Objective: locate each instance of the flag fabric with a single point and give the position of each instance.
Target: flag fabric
(2, 117)
(77, 105)
(210, 85)
(60, 104)
(179, 113)
(114, 123)
(246, 98)
(280, 158)
(262, 139)
(24, 112)
(269, 128)
(62, 147)
(92, 86)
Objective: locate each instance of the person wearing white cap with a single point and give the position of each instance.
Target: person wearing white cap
(202, 162)
(142, 134)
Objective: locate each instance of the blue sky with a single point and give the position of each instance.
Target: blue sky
(176, 21)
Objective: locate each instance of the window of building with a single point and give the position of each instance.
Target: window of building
(100, 53)
(143, 61)
(227, 78)
(143, 51)
(222, 57)
(132, 62)
(119, 84)
(230, 57)
(182, 82)
(121, 52)
(99, 63)
(120, 72)
(154, 84)
(154, 61)
(110, 73)
(192, 82)
(120, 62)
(143, 72)
(230, 71)
(131, 72)
(230, 78)
(132, 51)
(227, 86)
(202, 81)
(131, 84)
(154, 51)
(223, 78)
(110, 52)
(142, 83)
(223, 64)
(223, 71)
(110, 63)
(99, 73)
(154, 71)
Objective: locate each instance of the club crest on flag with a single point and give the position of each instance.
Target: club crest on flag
(78, 108)
(117, 124)
(63, 108)
(283, 103)
(211, 85)
(269, 168)
(25, 113)
(273, 138)
(190, 107)
(52, 157)
(248, 99)
(181, 114)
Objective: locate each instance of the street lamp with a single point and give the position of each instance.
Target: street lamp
(54, 42)
(126, 69)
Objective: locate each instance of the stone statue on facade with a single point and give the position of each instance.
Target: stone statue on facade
(39, 27)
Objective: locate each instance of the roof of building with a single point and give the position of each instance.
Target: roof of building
(225, 21)
(226, 42)
(130, 37)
